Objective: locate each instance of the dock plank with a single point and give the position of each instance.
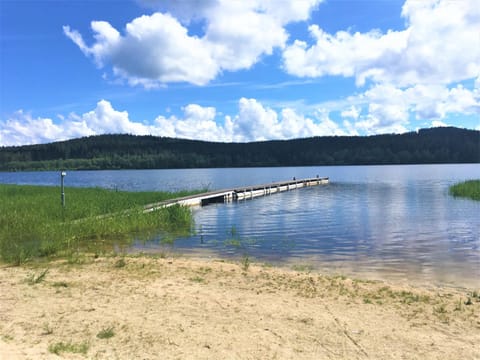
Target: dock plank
(238, 193)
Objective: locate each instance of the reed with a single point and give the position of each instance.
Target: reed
(468, 189)
(34, 224)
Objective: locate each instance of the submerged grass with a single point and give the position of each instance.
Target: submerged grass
(34, 224)
(469, 189)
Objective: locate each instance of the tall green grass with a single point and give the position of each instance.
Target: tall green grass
(33, 222)
(469, 189)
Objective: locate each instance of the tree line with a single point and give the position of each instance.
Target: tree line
(435, 145)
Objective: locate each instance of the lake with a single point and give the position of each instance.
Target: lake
(393, 222)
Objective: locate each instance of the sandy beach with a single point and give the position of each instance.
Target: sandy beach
(183, 308)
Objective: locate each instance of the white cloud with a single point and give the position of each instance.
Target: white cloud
(184, 10)
(440, 45)
(386, 108)
(353, 112)
(105, 119)
(381, 109)
(22, 129)
(253, 122)
(438, 123)
(198, 123)
(342, 54)
(158, 49)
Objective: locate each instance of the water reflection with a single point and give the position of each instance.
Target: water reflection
(412, 230)
(397, 221)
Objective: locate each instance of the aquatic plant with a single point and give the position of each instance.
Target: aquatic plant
(34, 224)
(468, 189)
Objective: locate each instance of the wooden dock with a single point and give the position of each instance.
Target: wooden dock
(238, 194)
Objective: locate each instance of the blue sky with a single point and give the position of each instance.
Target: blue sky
(231, 70)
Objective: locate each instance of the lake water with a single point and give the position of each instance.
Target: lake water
(394, 222)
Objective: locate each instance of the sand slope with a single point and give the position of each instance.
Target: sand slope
(178, 308)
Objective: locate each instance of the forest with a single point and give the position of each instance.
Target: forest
(434, 145)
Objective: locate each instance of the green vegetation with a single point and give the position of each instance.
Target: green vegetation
(7, 337)
(245, 262)
(47, 330)
(61, 347)
(106, 333)
(198, 279)
(34, 224)
(120, 263)
(37, 279)
(59, 284)
(437, 145)
(468, 189)
(233, 243)
(303, 268)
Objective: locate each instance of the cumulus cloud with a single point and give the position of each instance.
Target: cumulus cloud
(253, 122)
(158, 49)
(438, 123)
(439, 45)
(386, 108)
(22, 129)
(381, 109)
(353, 112)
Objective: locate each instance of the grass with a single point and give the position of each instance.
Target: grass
(120, 263)
(198, 279)
(47, 330)
(245, 262)
(303, 267)
(106, 333)
(37, 279)
(468, 189)
(33, 223)
(69, 347)
(233, 243)
(7, 337)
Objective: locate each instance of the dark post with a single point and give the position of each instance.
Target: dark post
(62, 176)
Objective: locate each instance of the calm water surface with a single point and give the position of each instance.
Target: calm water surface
(384, 221)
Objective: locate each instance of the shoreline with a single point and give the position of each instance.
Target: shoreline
(185, 307)
(411, 275)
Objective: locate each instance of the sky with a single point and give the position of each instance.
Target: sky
(236, 70)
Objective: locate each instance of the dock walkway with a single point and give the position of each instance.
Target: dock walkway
(237, 194)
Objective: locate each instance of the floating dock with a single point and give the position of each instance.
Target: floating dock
(238, 194)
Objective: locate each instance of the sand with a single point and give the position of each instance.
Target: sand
(180, 308)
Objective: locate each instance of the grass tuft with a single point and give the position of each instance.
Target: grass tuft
(69, 347)
(106, 333)
(60, 284)
(120, 263)
(245, 262)
(198, 279)
(47, 330)
(33, 279)
(303, 268)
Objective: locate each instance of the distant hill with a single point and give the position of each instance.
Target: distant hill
(435, 145)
